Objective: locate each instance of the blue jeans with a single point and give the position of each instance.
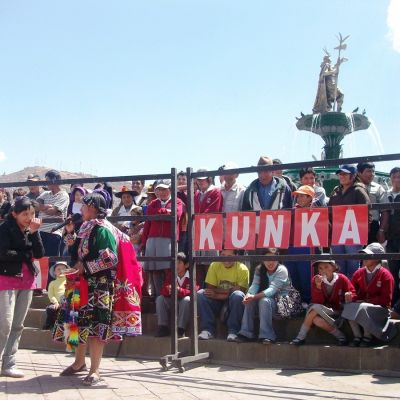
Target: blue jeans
(208, 309)
(266, 309)
(347, 267)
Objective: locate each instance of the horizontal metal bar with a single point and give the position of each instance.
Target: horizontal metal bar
(161, 217)
(297, 257)
(298, 165)
(97, 179)
(139, 258)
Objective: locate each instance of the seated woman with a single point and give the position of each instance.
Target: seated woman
(327, 298)
(371, 312)
(270, 279)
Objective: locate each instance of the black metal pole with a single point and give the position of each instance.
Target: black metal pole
(194, 340)
(174, 297)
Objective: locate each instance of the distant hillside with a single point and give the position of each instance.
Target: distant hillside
(20, 176)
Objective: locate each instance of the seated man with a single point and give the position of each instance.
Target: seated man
(226, 284)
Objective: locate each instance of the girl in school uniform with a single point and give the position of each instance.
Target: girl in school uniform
(328, 290)
(369, 315)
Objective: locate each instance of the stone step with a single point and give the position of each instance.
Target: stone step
(281, 355)
(286, 330)
(148, 303)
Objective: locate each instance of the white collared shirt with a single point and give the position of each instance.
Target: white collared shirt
(233, 197)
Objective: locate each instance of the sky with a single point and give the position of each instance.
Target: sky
(132, 87)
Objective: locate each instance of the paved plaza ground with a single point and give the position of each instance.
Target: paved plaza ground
(129, 379)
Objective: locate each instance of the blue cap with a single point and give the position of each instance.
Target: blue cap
(347, 168)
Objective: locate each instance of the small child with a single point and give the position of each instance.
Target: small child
(163, 302)
(55, 291)
(328, 290)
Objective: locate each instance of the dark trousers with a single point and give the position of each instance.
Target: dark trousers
(393, 246)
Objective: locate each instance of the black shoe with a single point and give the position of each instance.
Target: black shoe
(366, 342)
(356, 342)
(342, 342)
(298, 342)
(181, 333)
(243, 339)
(162, 331)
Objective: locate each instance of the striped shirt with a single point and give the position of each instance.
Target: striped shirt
(60, 200)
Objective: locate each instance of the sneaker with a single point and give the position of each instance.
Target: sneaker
(205, 335)
(267, 341)
(12, 372)
(232, 337)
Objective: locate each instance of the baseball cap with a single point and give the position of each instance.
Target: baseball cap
(162, 183)
(202, 170)
(305, 189)
(373, 248)
(347, 168)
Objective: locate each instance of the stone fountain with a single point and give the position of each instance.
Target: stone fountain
(327, 119)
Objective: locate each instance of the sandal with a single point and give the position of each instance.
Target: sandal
(91, 380)
(71, 371)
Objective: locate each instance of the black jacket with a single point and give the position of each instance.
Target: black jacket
(17, 247)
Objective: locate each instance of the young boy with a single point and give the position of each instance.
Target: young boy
(163, 302)
(55, 291)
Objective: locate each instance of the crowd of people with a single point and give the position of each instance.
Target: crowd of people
(96, 297)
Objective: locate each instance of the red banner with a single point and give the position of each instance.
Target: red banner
(310, 227)
(240, 230)
(274, 229)
(350, 225)
(208, 232)
(42, 266)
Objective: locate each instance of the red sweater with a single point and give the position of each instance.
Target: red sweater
(183, 290)
(379, 291)
(211, 202)
(336, 299)
(161, 228)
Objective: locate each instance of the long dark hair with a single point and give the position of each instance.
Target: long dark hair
(262, 271)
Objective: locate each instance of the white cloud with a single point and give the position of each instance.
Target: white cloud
(393, 22)
(2, 156)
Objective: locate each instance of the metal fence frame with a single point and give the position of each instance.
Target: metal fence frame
(176, 359)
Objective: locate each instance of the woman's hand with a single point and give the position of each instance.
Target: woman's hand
(248, 298)
(348, 297)
(79, 267)
(318, 281)
(35, 225)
